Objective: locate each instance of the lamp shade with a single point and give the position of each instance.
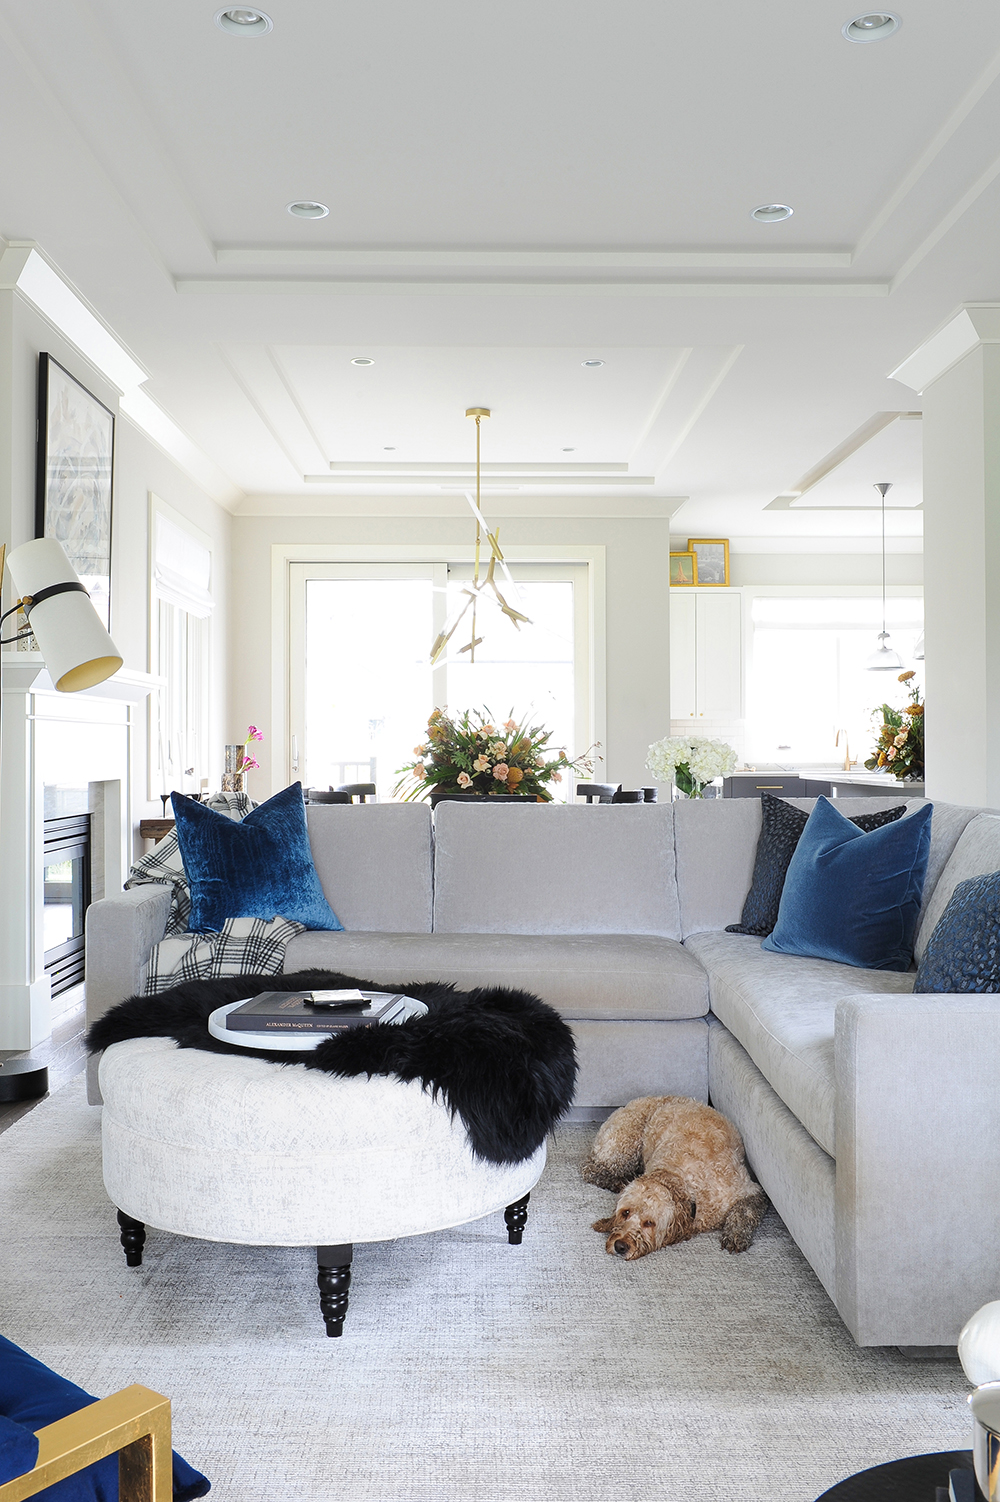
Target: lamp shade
(78, 651)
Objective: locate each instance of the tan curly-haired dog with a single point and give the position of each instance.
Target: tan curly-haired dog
(678, 1168)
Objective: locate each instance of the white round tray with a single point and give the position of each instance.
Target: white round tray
(292, 1042)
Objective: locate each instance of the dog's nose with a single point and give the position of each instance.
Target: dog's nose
(621, 1248)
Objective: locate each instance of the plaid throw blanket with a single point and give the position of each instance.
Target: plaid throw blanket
(245, 946)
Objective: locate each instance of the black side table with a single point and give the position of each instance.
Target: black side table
(914, 1479)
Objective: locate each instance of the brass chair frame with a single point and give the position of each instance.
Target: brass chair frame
(134, 1422)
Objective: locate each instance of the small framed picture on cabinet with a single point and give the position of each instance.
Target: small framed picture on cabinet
(712, 559)
(683, 569)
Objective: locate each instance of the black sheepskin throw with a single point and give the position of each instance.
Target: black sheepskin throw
(503, 1060)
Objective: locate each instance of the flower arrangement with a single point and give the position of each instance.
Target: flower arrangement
(899, 745)
(690, 761)
(468, 753)
(248, 760)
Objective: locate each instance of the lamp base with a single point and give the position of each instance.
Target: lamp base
(22, 1079)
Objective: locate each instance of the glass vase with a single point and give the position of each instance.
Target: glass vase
(233, 780)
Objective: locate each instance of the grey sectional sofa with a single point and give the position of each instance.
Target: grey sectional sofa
(870, 1116)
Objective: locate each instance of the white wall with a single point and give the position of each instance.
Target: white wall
(139, 468)
(962, 488)
(637, 642)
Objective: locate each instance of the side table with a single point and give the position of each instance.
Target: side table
(913, 1479)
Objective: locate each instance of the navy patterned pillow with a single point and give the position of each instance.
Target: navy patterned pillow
(781, 828)
(964, 949)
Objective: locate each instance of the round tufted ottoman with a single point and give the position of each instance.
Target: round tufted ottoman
(227, 1148)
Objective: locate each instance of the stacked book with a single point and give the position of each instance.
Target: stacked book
(316, 1011)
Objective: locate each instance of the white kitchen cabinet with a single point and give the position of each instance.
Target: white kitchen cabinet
(706, 655)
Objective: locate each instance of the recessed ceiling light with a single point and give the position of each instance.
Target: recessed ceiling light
(362, 360)
(569, 451)
(390, 448)
(243, 22)
(592, 364)
(874, 27)
(305, 208)
(771, 213)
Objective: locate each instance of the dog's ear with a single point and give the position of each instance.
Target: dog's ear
(604, 1226)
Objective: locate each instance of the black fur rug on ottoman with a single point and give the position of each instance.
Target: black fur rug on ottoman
(502, 1059)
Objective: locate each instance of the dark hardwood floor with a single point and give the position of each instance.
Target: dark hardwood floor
(64, 1054)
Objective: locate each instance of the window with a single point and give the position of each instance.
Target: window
(808, 677)
(180, 647)
(362, 684)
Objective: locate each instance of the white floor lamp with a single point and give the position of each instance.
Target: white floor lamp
(78, 653)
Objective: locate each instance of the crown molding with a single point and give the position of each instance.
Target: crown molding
(975, 323)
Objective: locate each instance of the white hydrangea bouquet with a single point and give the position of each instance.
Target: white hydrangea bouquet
(690, 762)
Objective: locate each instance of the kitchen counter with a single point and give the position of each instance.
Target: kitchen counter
(810, 782)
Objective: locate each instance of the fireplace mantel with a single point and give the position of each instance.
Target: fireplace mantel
(79, 746)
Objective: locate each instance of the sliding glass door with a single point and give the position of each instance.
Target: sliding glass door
(360, 677)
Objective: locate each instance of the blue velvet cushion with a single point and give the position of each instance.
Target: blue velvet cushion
(261, 867)
(851, 896)
(18, 1450)
(32, 1395)
(964, 949)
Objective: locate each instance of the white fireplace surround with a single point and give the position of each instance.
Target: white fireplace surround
(79, 747)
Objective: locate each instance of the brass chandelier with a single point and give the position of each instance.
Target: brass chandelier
(481, 582)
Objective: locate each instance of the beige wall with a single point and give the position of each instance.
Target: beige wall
(637, 639)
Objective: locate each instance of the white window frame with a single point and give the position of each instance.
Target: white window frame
(188, 722)
(751, 592)
(591, 688)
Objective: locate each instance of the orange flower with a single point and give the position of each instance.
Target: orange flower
(514, 776)
(905, 677)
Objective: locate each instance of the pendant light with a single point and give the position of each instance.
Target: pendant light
(483, 582)
(883, 659)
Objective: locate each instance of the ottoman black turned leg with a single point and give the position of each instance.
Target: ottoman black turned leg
(516, 1217)
(334, 1280)
(133, 1239)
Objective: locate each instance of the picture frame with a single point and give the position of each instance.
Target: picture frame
(712, 554)
(74, 477)
(683, 570)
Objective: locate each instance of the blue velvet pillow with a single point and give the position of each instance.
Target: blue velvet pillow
(964, 949)
(18, 1449)
(261, 867)
(33, 1395)
(851, 896)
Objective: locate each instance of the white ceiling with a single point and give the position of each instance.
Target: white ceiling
(512, 191)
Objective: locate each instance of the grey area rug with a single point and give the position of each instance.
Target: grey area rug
(469, 1369)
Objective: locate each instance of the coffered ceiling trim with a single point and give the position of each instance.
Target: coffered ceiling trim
(531, 260)
(868, 430)
(314, 287)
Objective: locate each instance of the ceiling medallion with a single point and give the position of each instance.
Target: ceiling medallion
(480, 582)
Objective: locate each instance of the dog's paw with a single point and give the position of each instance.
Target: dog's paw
(604, 1226)
(741, 1223)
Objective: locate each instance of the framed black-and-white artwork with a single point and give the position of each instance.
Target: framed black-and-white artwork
(712, 554)
(76, 445)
